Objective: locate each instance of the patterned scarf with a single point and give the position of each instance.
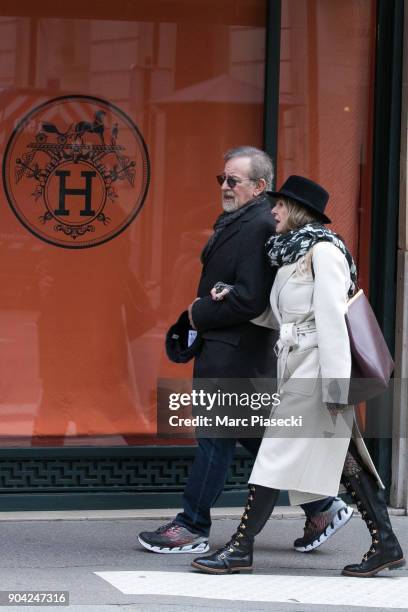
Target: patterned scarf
(224, 220)
(287, 248)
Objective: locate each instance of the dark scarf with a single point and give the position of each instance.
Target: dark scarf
(287, 248)
(224, 220)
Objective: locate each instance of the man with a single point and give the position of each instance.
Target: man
(234, 347)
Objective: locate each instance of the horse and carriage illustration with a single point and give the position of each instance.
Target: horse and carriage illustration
(72, 145)
(76, 131)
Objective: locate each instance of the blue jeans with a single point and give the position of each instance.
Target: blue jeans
(207, 478)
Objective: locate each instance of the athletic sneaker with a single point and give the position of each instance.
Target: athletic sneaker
(323, 525)
(173, 538)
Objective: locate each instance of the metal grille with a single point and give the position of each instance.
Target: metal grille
(112, 473)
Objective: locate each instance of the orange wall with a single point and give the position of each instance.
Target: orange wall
(82, 330)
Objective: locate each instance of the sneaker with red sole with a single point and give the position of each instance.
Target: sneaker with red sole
(323, 525)
(172, 538)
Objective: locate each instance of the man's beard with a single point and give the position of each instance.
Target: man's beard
(230, 204)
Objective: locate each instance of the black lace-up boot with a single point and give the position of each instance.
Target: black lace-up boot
(237, 554)
(385, 551)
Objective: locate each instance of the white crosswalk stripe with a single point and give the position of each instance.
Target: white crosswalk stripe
(387, 591)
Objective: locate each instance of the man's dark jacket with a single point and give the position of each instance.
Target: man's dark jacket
(233, 346)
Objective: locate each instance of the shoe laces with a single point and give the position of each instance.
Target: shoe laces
(369, 553)
(375, 540)
(224, 549)
(172, 526)
(371, 526)
(232, 544)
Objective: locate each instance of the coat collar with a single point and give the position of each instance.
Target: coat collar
(263, 205)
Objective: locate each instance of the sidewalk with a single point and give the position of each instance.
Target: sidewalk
(159, 514)
(96, 557)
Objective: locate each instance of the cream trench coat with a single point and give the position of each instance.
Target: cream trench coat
(314, 352)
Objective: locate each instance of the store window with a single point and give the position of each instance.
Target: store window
(326, 98)
(326, 108)
(82, 329)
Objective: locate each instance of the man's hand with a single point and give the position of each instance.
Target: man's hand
(190, 313)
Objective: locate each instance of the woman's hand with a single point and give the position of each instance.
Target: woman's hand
(220, 291)
(217, 295)
(335, 409)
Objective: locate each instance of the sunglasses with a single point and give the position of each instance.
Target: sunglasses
(231, 181)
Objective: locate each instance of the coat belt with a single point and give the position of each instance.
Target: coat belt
(289, 335)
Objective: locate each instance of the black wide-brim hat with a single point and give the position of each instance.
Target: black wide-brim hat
(309, 194)
(177, 348)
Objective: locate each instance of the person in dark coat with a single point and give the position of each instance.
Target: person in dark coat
(233, 347)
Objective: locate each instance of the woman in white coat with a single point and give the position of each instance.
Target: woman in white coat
(315, 276)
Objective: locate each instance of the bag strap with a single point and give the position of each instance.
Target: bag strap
(357, 286)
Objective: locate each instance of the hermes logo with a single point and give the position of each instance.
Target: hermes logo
(76, 171)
